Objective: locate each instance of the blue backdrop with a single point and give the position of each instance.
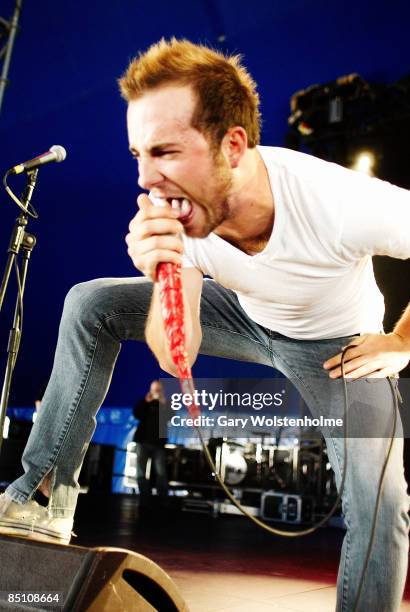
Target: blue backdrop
(63, 90)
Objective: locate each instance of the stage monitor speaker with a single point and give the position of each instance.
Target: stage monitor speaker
(78, 579)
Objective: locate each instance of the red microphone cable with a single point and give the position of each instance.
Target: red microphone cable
(172, 308)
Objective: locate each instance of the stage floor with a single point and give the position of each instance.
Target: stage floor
(221, 564)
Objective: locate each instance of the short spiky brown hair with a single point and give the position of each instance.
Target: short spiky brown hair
(226, 93)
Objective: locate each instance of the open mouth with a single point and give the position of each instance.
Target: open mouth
(183, 205)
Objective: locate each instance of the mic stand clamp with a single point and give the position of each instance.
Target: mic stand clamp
(20, 239)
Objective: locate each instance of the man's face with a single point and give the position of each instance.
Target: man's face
(175, 161)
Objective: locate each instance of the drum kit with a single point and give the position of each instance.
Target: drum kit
(244, 463)
(253, 468)
(291, 465)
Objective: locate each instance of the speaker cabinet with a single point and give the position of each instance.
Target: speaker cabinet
(83, 579)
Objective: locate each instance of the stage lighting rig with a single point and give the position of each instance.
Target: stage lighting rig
(350, 121)
(319, 107)
(349, 105)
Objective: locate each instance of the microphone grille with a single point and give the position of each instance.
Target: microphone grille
(59, 152)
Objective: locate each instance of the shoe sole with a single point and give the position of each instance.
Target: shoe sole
(7, 528)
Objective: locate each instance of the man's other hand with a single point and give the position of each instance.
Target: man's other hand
(373, 356)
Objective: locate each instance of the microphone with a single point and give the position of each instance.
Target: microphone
(56, 153)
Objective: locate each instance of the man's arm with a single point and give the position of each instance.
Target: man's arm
(154, 237)
(155, 333)
(375, 355)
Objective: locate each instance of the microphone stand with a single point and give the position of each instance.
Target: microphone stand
(20, 239)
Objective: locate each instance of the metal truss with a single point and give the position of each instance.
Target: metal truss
(8, 31)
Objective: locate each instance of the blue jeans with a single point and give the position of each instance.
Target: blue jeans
(99, 314)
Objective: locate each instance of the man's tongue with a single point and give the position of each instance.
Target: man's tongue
(183, 205)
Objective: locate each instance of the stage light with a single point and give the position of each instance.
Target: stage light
(365, 162)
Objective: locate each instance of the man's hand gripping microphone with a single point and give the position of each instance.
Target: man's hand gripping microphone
(169, 279)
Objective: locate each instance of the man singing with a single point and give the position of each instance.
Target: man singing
(287, 240)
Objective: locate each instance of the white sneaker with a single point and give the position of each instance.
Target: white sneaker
(30, 520)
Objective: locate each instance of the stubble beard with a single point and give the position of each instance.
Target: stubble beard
(216, 207)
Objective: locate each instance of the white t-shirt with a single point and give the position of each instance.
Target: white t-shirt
(314, 279)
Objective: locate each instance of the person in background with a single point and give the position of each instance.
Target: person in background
(150, 446)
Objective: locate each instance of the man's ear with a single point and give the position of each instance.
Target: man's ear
(234, 145)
